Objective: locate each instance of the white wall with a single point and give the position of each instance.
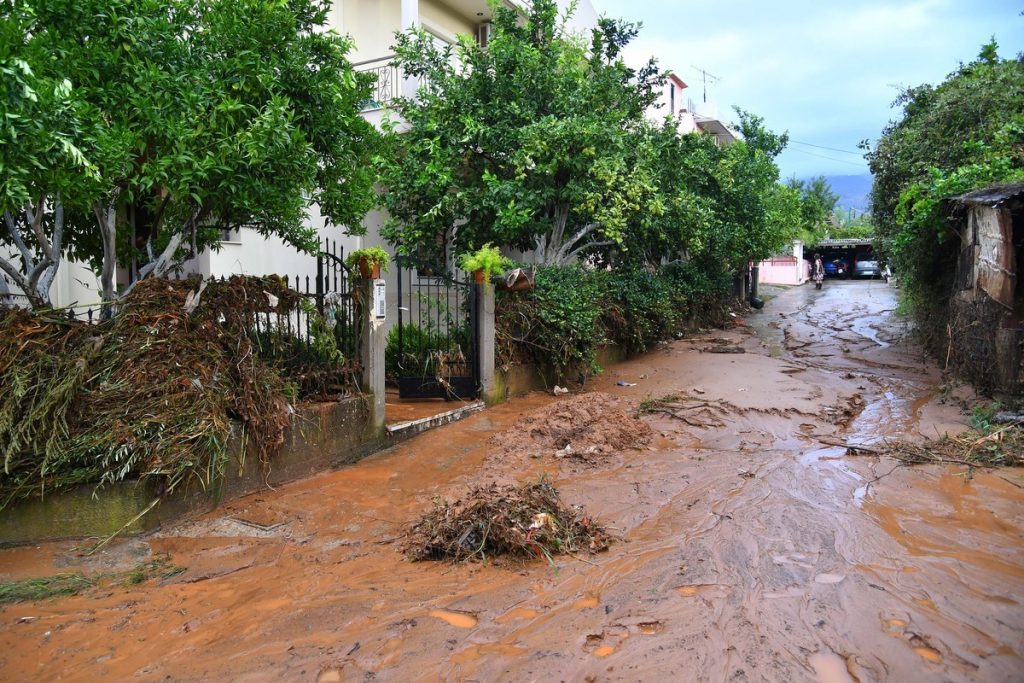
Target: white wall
(74, 286)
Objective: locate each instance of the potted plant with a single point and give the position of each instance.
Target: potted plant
(484, 263)
(370, 261)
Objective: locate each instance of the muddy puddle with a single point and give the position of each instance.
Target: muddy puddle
(751, 547)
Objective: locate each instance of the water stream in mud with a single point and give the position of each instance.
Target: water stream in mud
(751, 548)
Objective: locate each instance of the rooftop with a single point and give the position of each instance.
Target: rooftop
(993, 195)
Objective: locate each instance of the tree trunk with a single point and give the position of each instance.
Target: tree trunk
(106, 215)
(35, 277)
(159, 266)
(52, 255)
(556, 250)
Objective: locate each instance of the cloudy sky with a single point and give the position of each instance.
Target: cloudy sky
(825, 71)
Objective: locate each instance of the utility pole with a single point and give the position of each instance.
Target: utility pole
(704, 76)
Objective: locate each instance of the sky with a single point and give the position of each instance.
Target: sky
(827, 72)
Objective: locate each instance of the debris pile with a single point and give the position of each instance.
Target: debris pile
(1001, 448)
(151, 392)
(524, 522)
(579, 426)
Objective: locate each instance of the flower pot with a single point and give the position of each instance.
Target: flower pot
(479, 276)
(369, 271)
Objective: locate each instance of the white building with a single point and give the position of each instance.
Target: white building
(372, 24)
(692, 115)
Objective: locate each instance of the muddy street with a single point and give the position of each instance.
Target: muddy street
(751, 548)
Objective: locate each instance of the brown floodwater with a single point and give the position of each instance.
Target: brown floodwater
(751, 547)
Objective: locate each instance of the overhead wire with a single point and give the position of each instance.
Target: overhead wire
(831, 149)
(822, 156)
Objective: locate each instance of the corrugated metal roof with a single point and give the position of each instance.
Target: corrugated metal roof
(847, 242)
(993, 195)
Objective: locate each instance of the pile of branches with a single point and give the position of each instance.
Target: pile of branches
(1001, 448)
(523, 522)
(150, 393)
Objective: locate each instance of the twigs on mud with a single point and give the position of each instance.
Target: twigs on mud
(692, 410)
(1001, 448)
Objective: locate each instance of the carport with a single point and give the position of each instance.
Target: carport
(848, 250)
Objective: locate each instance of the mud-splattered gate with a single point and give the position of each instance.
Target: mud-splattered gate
(433, 352)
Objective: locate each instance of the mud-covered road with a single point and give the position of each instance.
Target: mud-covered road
(751, 549)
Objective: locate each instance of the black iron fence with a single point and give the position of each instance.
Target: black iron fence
(433, 350)
(328, 307)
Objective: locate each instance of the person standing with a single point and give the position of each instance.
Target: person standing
(818, 271)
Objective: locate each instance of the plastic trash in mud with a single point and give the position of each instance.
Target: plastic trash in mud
(559, 390)
(623, 383)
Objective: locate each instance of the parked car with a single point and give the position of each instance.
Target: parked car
(838, 267)
(866, 267)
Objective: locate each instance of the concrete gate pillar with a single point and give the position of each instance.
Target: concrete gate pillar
(372, 343)
(485, 338)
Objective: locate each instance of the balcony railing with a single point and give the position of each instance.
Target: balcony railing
(388, 86)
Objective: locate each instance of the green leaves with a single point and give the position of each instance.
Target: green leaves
(965, 133)
(522, 144)
(226, 112)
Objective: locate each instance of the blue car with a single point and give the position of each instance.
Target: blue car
(838, 267)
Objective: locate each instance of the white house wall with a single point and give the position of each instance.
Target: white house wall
(74, 286)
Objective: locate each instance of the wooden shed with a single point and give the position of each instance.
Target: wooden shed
(986, 338)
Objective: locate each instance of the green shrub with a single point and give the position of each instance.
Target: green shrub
(572, 311)
(641, 310)
(557, 323)
(421, 348)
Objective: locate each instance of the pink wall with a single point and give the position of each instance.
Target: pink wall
(784, 270)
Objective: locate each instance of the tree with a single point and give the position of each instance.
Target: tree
(718, 205)
(526, 143)
(756, 215)
(679, 218)
(208, 115)
(42, 164)
(965, 133)
(817, 207)
(854, 226)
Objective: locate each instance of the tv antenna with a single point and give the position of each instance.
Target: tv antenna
(704, 76)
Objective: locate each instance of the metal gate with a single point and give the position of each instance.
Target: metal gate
(436, 344)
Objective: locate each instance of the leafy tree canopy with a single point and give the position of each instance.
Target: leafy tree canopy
(525, 143)
(965, 133)
(197, 115)
(817, 207)
(539, 141)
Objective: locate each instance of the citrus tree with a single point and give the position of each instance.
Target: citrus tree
(197, 116)
(524, 143)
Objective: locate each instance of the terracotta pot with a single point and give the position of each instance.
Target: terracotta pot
(479, 276)
(368, 271)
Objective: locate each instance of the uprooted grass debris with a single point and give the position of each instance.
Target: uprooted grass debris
(62, 585)
(524, 522)
(150, 393)
(41, 588)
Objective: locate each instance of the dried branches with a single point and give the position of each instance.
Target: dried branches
(1001, 448)
(526, 522)
(152, 392)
